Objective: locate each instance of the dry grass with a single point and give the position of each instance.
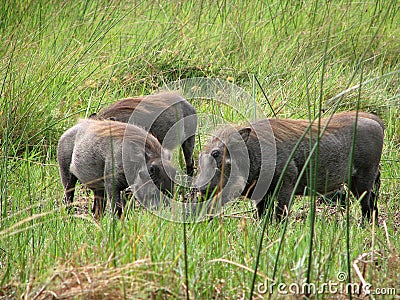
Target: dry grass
(130, 281)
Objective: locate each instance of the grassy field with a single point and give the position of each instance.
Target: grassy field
(63, 60)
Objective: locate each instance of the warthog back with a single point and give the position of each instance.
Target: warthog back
(167, 115)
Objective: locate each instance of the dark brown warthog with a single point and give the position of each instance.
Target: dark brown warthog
(159, 113)
(103, 155)
(333, 159)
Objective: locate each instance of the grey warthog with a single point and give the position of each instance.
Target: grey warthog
(167, 115)
(106, 156)
(224, 157)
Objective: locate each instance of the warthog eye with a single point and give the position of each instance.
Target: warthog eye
(215, 153)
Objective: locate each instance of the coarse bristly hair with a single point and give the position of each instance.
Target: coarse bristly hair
(114, 129)
(126, 106)
(289, 129)
(285, 129)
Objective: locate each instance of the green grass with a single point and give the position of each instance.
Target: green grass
(62, 61)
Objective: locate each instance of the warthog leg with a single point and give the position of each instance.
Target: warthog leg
(286, 190)
(99, 204)
(117, 203)
(361, 182)
(69, 186)
(187, 147)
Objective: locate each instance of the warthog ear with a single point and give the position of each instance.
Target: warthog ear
(245, 133)
(154, 170)
(142, 174)
(148, 153)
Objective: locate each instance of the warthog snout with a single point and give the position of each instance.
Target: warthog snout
(214, 166)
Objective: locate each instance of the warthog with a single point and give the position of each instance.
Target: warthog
(106, 156)
(159, 113)
(223, 158)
